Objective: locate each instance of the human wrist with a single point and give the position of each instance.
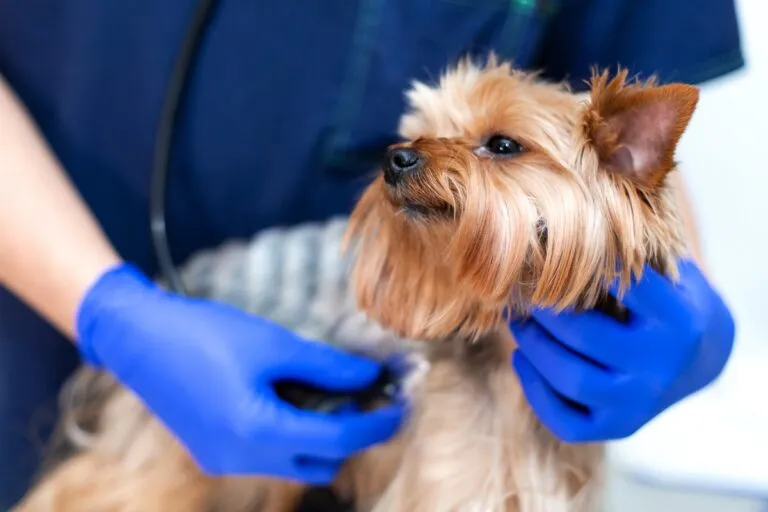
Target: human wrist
(111, 293)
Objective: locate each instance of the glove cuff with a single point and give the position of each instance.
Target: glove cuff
(117, 286)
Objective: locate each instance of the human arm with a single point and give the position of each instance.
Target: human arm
(588, 377)
(51, 247)
(205, 369)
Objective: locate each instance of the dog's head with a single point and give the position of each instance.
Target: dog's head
(512, 192)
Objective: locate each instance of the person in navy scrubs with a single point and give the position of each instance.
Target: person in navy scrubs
(289, 106)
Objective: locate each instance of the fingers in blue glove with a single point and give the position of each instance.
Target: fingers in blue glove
(567, 372)
(315, 471)
(651, 300)
(577, 331)
(349, 372)
(566, 421)
(655, 297)
(338, 440)
(339, 436)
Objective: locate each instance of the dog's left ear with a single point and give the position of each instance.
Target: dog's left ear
(635, 128)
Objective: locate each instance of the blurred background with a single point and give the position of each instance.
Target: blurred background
(710, 453)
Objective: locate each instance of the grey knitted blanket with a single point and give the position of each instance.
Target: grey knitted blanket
(296, 277)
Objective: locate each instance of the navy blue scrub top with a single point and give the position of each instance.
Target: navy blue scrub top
(292, 101)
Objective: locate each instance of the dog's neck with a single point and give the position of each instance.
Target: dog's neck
(496, 345)
(476, 356)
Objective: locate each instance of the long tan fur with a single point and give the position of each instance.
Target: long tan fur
(444, 258)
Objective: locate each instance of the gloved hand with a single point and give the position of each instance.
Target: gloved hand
(591, 378)
(206, 370)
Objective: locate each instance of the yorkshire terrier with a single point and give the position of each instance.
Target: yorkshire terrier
(508, 193)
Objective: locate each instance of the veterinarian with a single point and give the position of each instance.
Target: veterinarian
(289, 106)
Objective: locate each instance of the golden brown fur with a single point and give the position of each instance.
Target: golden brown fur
(442, 258)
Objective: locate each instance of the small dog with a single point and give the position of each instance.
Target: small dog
(509, 193)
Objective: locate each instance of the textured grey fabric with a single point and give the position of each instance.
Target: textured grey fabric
(296, 277)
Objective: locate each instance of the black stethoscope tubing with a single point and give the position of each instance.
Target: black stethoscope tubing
(174, 95)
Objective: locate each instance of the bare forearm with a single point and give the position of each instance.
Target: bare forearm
(51, 248)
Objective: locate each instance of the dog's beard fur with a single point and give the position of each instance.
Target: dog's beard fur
(444, 257)
(470, 237)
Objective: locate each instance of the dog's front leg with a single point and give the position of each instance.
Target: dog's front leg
(452, 457)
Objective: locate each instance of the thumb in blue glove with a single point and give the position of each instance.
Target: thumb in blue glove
(589, 377)
(207, 371)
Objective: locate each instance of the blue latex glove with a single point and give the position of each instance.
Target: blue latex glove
(206, 370)
(591, 378)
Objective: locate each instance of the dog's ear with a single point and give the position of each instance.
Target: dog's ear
(635, 127)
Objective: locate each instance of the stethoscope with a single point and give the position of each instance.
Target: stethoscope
(297, 393)
(174, 95)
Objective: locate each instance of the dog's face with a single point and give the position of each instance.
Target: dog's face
(511, 192)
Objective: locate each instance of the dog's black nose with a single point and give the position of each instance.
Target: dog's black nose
(399, 162)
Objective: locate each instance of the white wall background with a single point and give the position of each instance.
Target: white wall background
(718, 440)
(724, 156)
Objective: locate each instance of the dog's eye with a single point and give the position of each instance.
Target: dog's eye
(501, 145)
